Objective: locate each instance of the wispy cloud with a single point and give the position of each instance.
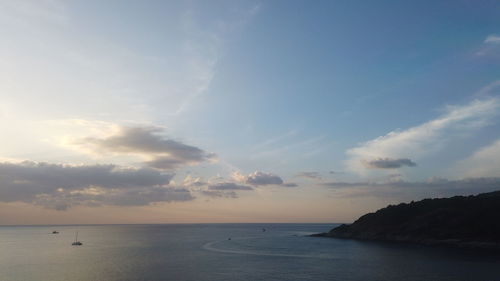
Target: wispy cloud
(31, 12)
(85, 72)
(311, 144)
(190, 181)
(485, 162)
(493, 39)
(203, 45)
(490, 47)
(492, 89)
(274, 140)
(310, 175)
(421, 140)
(202, 48)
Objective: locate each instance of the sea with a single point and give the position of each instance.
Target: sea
(215, 252)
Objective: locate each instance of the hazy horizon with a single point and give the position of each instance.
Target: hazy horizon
(140, 112)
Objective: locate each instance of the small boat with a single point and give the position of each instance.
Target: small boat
(76, 243)
(55, 232)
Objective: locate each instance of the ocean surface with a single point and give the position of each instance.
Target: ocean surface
(224, 252)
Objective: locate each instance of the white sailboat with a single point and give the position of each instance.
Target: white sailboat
(76, 243)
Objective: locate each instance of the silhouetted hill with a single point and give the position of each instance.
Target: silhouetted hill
(463, 221)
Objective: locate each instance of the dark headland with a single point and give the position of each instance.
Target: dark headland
(462, 221)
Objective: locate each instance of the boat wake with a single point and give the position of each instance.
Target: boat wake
(212, 246)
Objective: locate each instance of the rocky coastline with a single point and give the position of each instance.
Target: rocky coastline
(471, 222)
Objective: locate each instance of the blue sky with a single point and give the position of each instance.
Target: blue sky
(239, 111)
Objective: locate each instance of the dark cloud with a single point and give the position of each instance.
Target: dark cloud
(219, 194)
(166, 153)
(310, 175)
(165, 163)
(229, 186)
(227, 189)
(260, 178)
(146, 196)
(62, 186)
(341, 184)
(436, 187)
(92, 197)
(388, 163)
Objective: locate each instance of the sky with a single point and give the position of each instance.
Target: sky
(243, 111)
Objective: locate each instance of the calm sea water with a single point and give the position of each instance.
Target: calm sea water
(204, 252)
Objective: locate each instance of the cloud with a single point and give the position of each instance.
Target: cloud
(388, 163)
(426, 138)
(490, 47)
(203, 46)
(309, 175)
(227, 189)
(62, 186)
(217, 189)
(275, 140)
(485, 162)
(434, 187)
(229, 186)
(165, 163)
(146, 196)
(260, 178)
(219, 194)
(166, 154)
(193, 181)
(35, 13)
(341, 184)
(492, 89)
(492, 39)
(309, 147)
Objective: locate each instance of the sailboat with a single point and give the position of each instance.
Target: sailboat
(76, 243)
